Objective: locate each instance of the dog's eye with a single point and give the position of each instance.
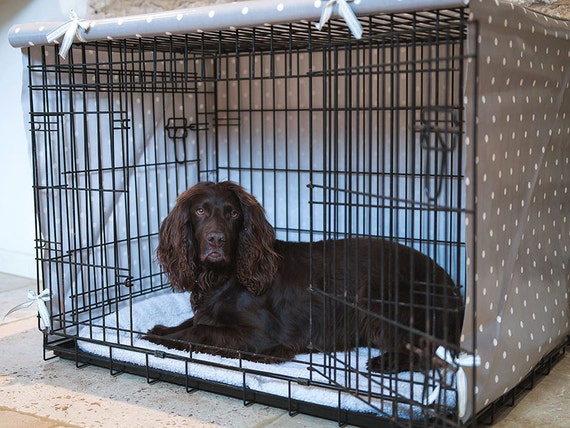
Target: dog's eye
(234, 214)
(199, 211)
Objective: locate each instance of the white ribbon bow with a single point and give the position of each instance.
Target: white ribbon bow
(40, 300)
(69, 30)
(347, 14)
(462, 360)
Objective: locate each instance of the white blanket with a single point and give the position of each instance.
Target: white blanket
(169, 308)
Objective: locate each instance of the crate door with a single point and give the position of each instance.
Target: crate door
(391, 143)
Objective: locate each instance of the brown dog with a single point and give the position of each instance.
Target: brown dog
(268, 300)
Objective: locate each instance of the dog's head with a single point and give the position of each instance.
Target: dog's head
(217, 227)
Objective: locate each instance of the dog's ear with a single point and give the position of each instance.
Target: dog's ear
(256, 259)
(175, 251)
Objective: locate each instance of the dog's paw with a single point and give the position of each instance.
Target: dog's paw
(158, 330)
(391, 362)
(165, 336)
(156, 335)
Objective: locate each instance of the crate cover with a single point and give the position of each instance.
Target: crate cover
(517, 150)
(521, 182)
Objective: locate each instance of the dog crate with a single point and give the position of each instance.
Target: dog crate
(443, 125)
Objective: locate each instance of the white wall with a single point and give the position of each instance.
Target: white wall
(17, 253)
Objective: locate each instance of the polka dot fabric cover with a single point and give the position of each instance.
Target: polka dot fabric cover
(216, 17)
(521, 182)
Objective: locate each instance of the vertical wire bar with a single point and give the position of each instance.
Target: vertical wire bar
(367, 179)
(415, 237)
(50, 184)
(169, 150)
(200, 88)
(58, 194)
(299, 82)
(68, 175)
(53, 185)
(284, 112)
(92, 202)
(396, 145)
(151, 155)
(227, 106)
(325, 84)
(287, 111)
(382, 182)
(443, 254)
(393, 193)
(130, 135)
(118, 167)
(312, 266)
(237, 74)
(202, 141)
(218, 61)
(359, 51)
(87, 275)
(123, 269)
(335, 207)
(40, 262)
(145, 168)
(159, 114)
(347, 173)
(283, 75)
(102, 181)
(248, 163)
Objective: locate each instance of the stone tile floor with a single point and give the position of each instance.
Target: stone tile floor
(54, 393)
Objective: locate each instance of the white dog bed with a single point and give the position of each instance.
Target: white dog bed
(169, 308)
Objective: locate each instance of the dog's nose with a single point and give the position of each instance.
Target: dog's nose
(216, 239)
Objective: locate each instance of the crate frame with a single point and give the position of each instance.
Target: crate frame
(470, 208)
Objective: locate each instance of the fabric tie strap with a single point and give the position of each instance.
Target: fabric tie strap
(69, 30)
(462, 360)
(344, 10)
(40, 300)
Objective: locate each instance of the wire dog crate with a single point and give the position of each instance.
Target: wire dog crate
(403, 133)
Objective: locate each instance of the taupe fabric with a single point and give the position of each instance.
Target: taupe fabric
(521, 183)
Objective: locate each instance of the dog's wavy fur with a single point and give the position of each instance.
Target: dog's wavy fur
(268, 300)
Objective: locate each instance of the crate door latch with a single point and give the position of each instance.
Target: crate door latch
(177, 129)
(439, 130)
